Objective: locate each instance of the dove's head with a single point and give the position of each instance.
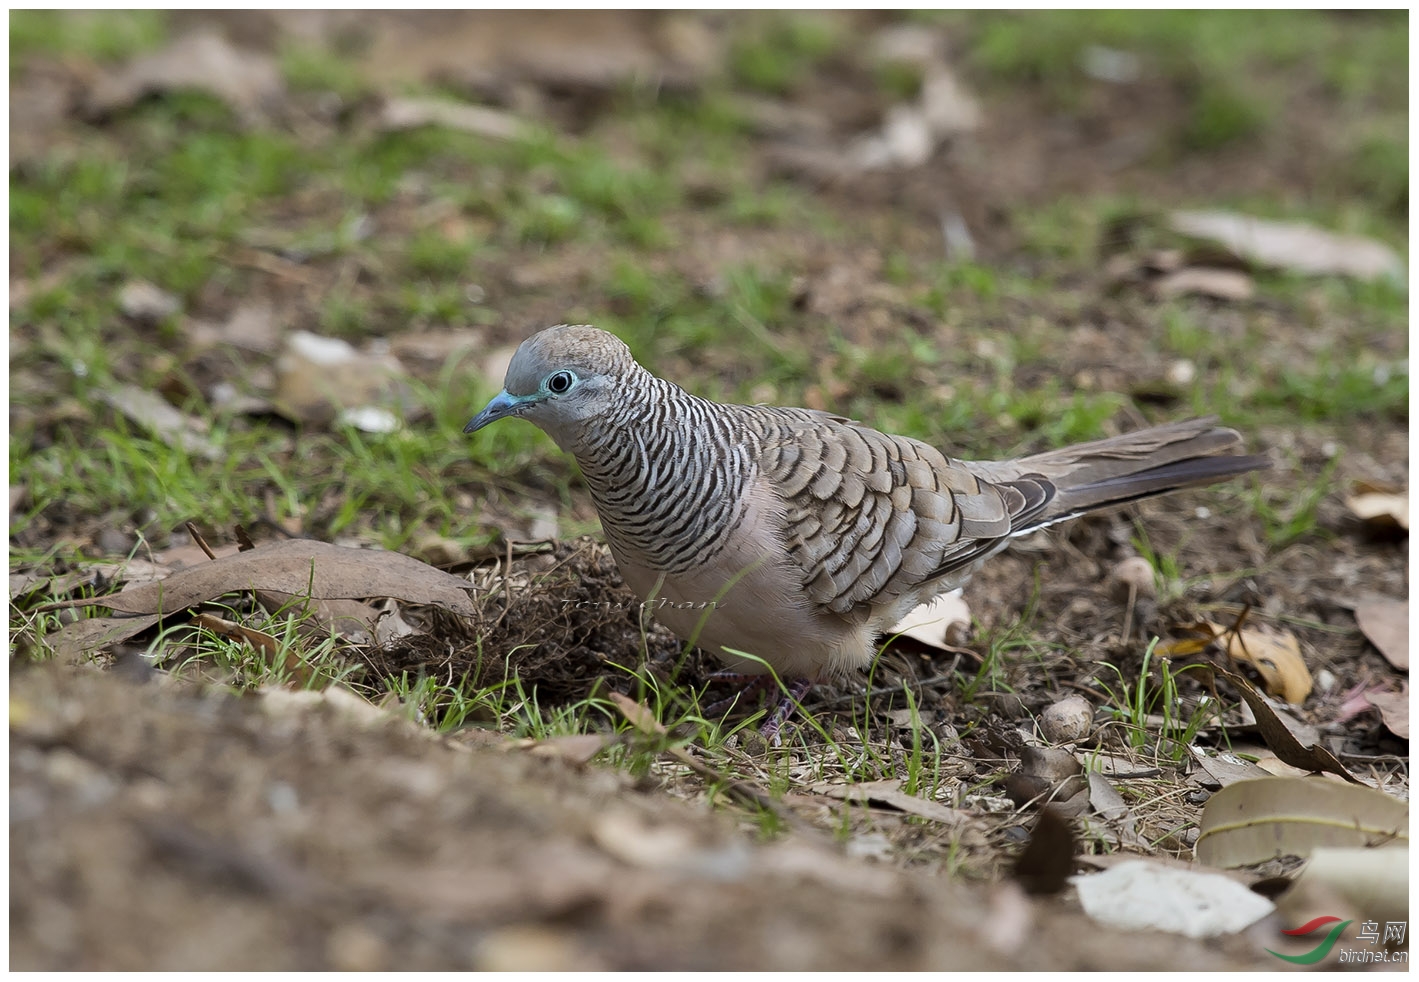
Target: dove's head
(561, 379)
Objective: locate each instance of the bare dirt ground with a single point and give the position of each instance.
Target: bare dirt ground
(160, 824)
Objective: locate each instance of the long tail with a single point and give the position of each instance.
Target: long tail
(1124, 468)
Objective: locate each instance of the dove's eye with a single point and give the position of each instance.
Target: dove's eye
(559, 382)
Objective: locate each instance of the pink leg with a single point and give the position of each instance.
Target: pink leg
(797, 689)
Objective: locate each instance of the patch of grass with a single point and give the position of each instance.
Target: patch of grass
(286, 652)
(1288, 518)
(310, 68)
(145, 480)
(1222, 60)
(104, 35)
(1219, 115)
(1168, 579)
(1339, 389)
(1378, 163)
(1156, 713)
(776, 52)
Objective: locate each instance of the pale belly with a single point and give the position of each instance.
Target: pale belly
(751, 613)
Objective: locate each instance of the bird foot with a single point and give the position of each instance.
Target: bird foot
(797, 689)
(753, 684)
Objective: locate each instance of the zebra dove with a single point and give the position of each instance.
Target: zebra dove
(797, 536)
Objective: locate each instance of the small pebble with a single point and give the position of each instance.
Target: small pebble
(1068, 720)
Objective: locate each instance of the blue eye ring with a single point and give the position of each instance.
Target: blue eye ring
(560, 382)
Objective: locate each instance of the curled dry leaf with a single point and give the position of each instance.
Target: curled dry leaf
(1047, 775)
(638, 715)
(1279, 738)
(1109, 804)
(1275, 654)
(259, 640)
(291, 662)
(1254, 821)
(940, 622)
(1386, 624)
(1380, 507)
(74, 642)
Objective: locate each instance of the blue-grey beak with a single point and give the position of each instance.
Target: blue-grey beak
(501, 405)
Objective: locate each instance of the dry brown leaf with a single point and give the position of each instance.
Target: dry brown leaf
(889, 793)
(292, 662)
(940, 622)
(638, 715)
(1293, 246)
(74, 642)
(1394, 709)
(152, 412)
(1276, 655)
(1278, 737)
(577, 749)
(410, 113)
(1254, 821)
(259, 640)
(1204, 281)
(301, 568)
(1386, 624)
(350, 619)
(248, 81)
(1105, 799)
(1223, 768)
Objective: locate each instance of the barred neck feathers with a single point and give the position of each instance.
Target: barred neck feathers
(667, 470)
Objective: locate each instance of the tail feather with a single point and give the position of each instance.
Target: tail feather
(1071, 500)
(1125, 468)
(1061, 484)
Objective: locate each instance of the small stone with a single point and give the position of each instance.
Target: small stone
(1068, 720)
(1182, 372)
(143, 301)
